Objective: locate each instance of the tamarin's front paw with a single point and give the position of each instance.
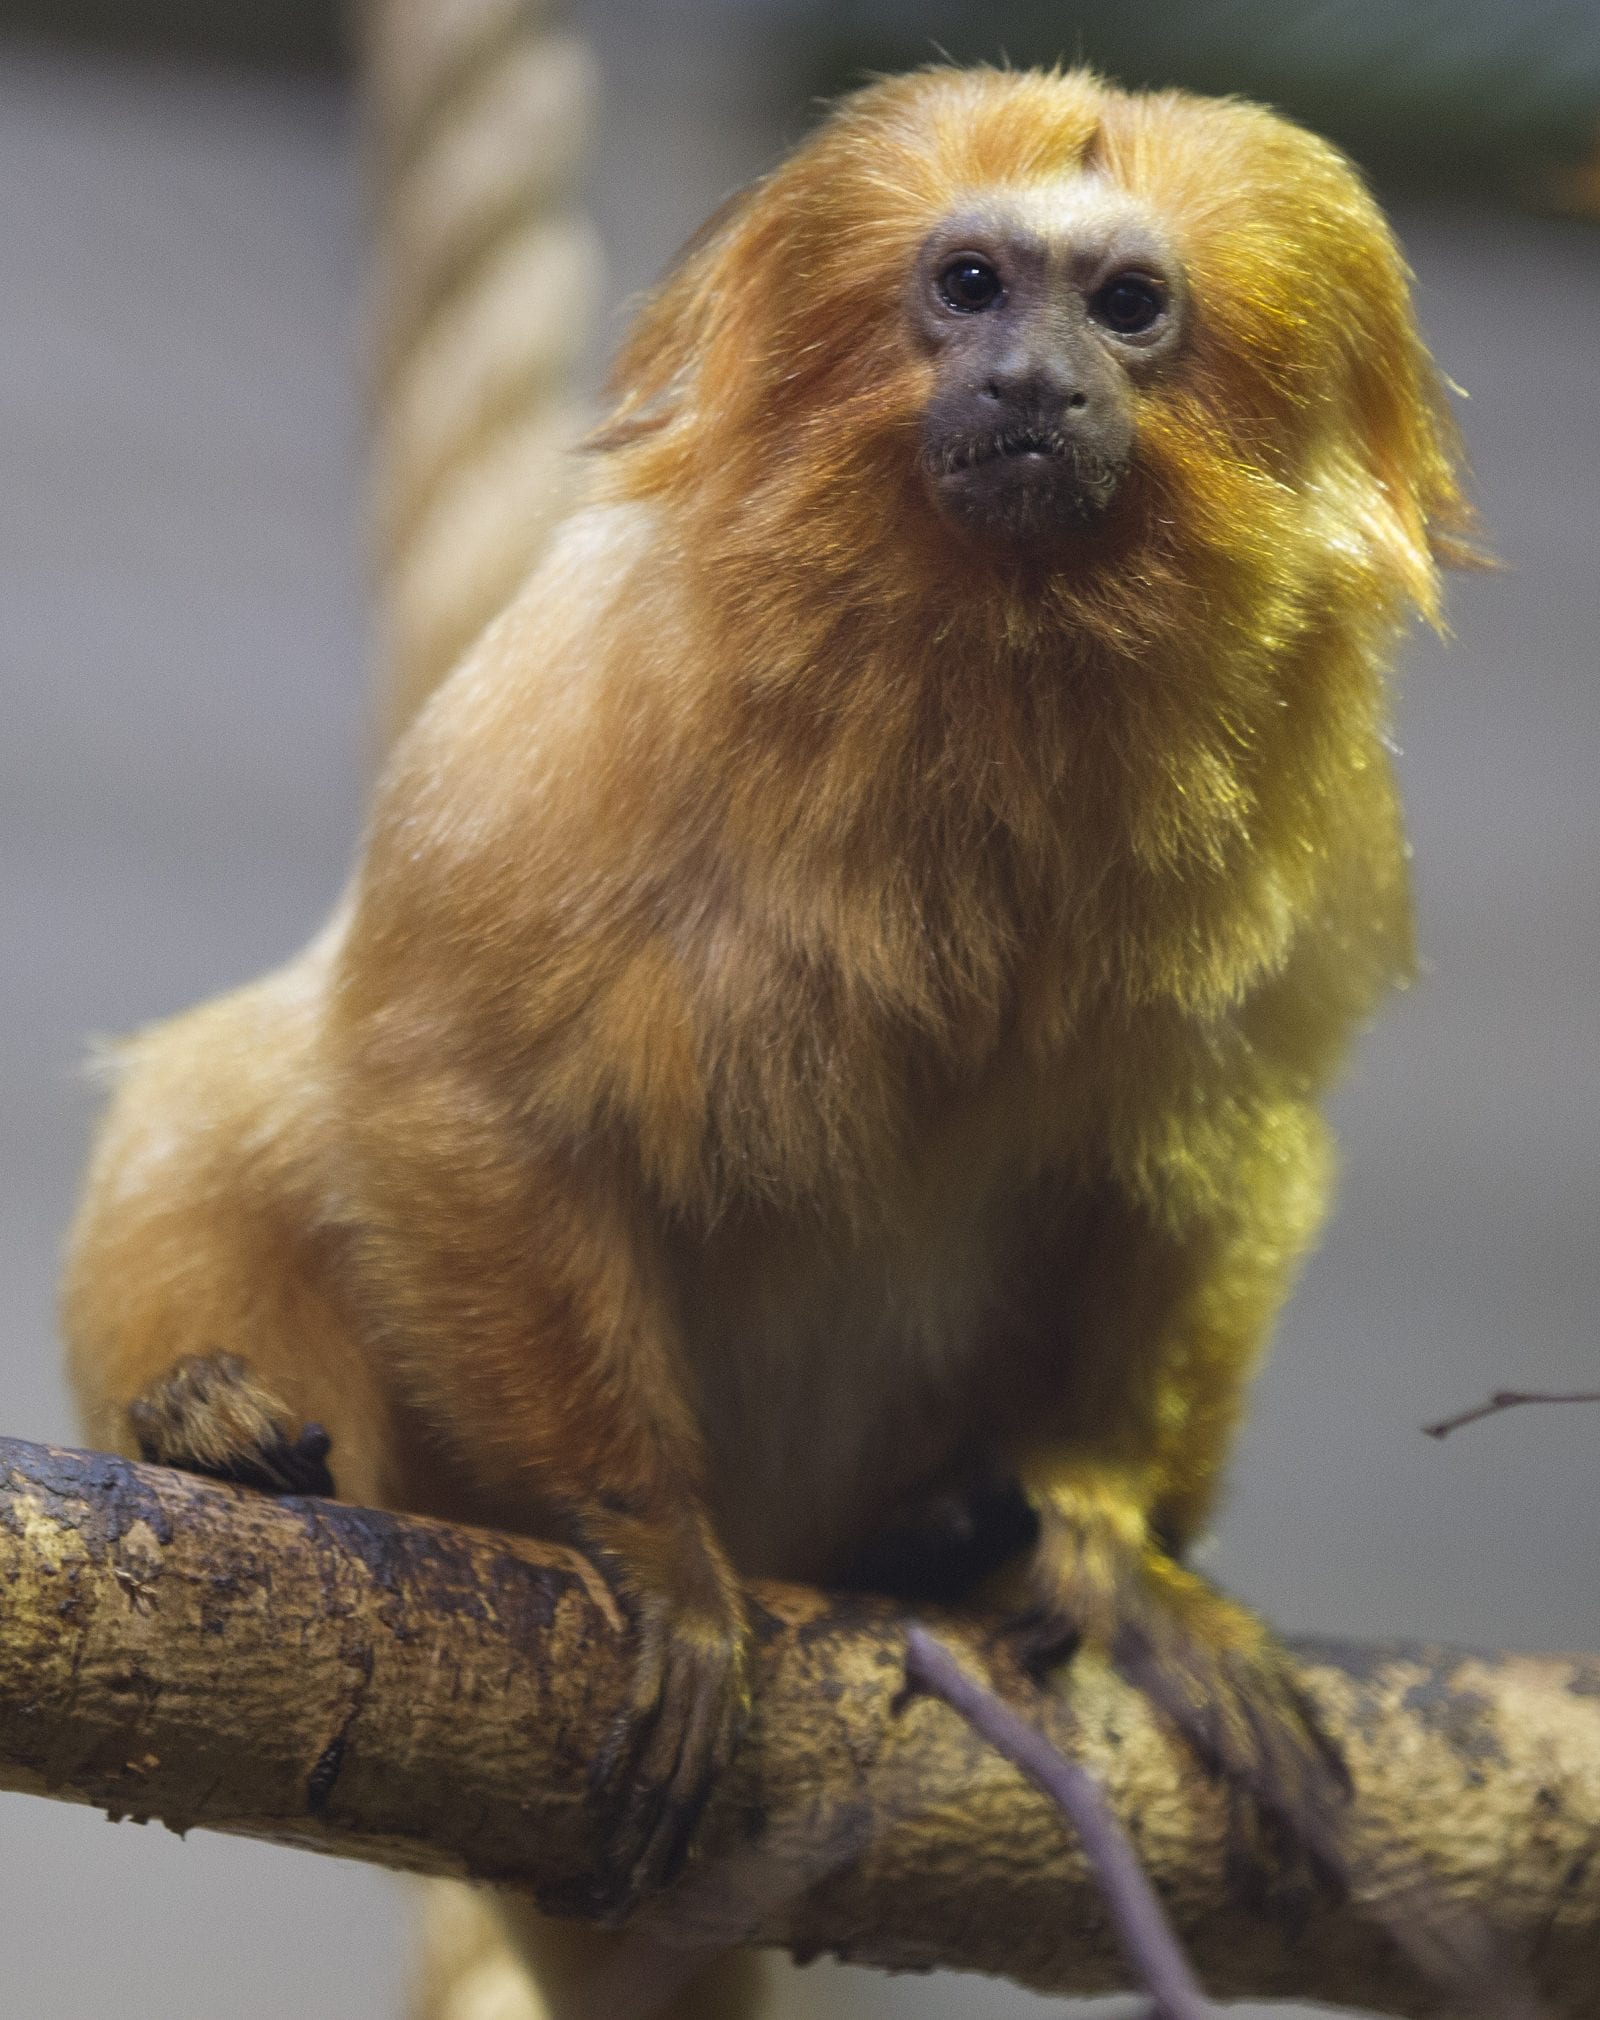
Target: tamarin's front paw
(1236, 1696)
(686, 1710)
(208, 1415)
(1210, 1666)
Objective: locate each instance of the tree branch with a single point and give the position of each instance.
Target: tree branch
(1507, 1399)
(1154, 1954)
(390, 1689)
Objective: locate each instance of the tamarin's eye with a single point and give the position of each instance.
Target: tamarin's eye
(1129, 303)
(970, 284)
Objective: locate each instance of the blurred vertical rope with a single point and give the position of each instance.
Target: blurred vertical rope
(485, 298)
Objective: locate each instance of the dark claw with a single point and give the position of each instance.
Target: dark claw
(306, 1462)
(1040, 1641)
(280, 1466)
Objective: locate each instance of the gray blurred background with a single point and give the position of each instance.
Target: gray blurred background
(181, 651)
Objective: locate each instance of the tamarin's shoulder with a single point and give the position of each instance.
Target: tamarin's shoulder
(544, 656)
(523, 752)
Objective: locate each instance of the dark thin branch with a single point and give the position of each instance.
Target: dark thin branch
(1508, 1399)
(1147, 1940)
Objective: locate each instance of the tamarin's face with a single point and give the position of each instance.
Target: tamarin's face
(1040, 314)
(981, 318)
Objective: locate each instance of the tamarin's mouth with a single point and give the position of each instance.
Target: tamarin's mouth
(1020, 482)
(1034, 443)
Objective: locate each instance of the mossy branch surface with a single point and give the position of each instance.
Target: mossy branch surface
(391, 1689)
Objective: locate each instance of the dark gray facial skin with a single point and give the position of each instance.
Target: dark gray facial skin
(1040, 330)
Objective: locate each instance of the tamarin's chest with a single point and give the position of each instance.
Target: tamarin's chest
(833, 1382)
(841, 1367)
(880, 1109)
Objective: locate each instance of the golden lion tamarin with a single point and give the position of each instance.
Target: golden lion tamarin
(834, 1000)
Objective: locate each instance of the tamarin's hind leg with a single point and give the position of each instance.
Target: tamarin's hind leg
(200, 1304)
(209, 1415)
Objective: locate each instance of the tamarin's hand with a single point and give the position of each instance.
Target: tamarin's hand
(682, 1603)
(1216, 1671)
(688, 1702)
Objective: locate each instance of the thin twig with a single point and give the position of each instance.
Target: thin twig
(1145, 1936)
(1508, 1399)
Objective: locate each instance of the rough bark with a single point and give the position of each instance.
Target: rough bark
(390, 1689)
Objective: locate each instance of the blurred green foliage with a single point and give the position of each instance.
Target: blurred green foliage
(1446, 91)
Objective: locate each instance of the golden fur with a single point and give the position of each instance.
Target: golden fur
(829, 1003)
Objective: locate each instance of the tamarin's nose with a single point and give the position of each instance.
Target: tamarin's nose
(1044, 388)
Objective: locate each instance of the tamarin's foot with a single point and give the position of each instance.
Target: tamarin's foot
(687, 1707)
(208, 1415)
(1221, 1678)
(1208, 1664)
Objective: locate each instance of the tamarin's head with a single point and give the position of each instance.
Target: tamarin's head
(1028, 324)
